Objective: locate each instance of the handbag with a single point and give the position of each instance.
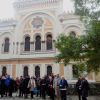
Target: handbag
(35, 90)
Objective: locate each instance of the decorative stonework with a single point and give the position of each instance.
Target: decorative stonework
(20, 4)
(37, 22)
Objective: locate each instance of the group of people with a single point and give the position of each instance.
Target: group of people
(53, 86)
(82, 88)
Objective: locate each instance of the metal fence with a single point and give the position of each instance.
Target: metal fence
(94, 89)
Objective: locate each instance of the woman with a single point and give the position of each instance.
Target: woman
(31, 86)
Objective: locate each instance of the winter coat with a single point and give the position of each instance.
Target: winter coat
(31, 84)
(79, 86)
(63, 85)
(85, 88)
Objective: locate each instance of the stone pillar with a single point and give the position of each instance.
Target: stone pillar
(43, 45)
(31, 70)
(19, 70)
(13, 47)
(43, 70)
(14, 70)
(53, 44)
(68, 72)
(1, 48)
(56, 68)
(9, 69)
(19, 47)
(10, 48)
(32, 46)
(34, 69)
(61, 68)
(91, 76)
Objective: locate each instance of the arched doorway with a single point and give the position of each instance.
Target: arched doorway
(25, 73)
(37, 71)
(4, 71)
(49, 70)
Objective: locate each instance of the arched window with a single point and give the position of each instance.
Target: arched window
(27, 43)
(49, 42)
(37, 71)
(72, 34)
(49, 70)
(6, 45)
(38, 43)
(25, 71)
(4, 71)
(75, 71)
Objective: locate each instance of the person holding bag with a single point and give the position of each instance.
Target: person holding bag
(31, 86)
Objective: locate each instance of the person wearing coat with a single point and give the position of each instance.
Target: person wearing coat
(51, 88)
(3, 86)
(25, 86)
(43, 87)
(78, 88)
(85, 89)
(56, 82)
(63, 85)
(31, 85)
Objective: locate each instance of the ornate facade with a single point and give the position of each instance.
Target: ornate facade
(27, 43)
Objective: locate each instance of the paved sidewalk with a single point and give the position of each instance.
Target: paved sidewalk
(38, 98)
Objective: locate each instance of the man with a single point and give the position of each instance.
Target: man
(85, 88)
(25, 86)
(78, 87)
(63, 85)
(43, 87)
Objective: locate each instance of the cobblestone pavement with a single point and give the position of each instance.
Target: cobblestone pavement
(38, 98)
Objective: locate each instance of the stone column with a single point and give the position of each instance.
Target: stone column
(43, 70)
(1, 47)
(53, 44)
(31, 70)
(32, 46)
(19, 70)
(34, 69)
(91, 76)
(21, 47)
(43, 46)
(14, 70)
(68, 72)
(17, 47)
(56, 68)
(61, 68)
(13, 47)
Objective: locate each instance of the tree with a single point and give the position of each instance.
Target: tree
(89, 12)
(85, 50)
(71, 50)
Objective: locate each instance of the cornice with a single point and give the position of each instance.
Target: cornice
(8, 22)
(22, 4)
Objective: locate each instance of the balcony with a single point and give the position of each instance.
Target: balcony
(31, 49)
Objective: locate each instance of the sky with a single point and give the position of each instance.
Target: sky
(7, 11)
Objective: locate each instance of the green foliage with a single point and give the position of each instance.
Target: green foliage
(85, 50)
(89, 12)
(70, 48)
(79, 69)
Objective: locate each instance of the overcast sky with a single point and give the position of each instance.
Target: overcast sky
(6, 8)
